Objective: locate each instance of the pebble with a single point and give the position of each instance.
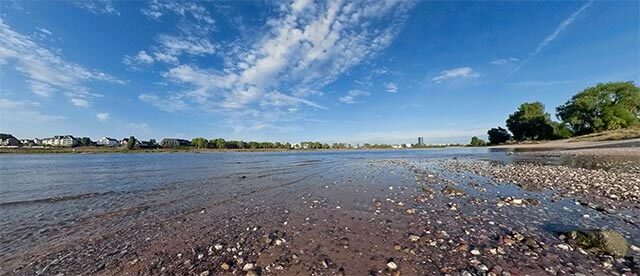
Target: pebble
(248, 266)
(391, 265)
(475, 252)
(224, 266)
(414, 238)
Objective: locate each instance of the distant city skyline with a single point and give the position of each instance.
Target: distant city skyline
(328, 71)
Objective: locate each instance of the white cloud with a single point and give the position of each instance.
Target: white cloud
(142, 56)
(391, 87)
(462, 72)
(549, 38)
(504, 61)
(97, 6)
(304, 47)
(278, 99)
(103, 117)
(46, 71)
(169, 105)
(196, 26)
(79, 102)
(139, 127)
(352, 96)
(45, 31)
(25, 112)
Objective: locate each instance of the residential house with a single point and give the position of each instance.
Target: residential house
(174, 143)
(7, 140)
(27, 142)
(61, 141)
(108, 142)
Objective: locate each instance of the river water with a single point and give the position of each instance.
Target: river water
(47, 200)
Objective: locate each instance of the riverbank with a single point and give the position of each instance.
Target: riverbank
(567, 144)
(361, 213)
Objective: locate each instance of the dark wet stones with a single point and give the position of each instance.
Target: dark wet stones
(600, 241)
(453, 191)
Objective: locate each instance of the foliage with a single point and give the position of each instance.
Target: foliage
(561, 131)
(530, 121)
(85, 141)
(477, 142)
(498, 135)
(199, 142)
(131, 144)
(606, 106)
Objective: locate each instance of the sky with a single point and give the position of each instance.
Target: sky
(329, 71)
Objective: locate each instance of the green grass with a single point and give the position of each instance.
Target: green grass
(611, 135)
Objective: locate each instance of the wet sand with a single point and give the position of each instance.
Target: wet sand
(361, 216)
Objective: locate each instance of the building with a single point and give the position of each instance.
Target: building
(420, 141)
(106, 141)
(174, 143)
(61, 141)
(7, 140)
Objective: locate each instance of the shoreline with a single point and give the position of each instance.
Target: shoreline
(384, 215)
(95, 150)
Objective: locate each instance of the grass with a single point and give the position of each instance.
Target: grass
(611, 135)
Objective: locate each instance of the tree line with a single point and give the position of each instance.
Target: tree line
(606, 106)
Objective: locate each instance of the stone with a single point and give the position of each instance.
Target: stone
(475, 252)
(605, 241)
(414, 238)
(392, 265)
(224, 266)
(248, 266)
(453, 191)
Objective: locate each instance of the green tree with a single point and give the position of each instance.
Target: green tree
(605, 106)
(199, 142)
(131, 144)
(498, 135)
(530, 121)
(85, 141)
(477, 142)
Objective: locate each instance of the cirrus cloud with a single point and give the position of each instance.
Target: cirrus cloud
(456, 73)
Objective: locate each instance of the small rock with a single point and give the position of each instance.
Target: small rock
(392, 266)
(414, 238)
(224, 266)
(475, 252)
(204, 273)
(248, 266)
(410, 211)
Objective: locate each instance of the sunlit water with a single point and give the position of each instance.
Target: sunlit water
(40, 193)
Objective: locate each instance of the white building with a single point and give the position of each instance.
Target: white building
(106, 141)
(61, 141)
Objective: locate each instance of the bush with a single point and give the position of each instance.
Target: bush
(498, 135)
(477, 142)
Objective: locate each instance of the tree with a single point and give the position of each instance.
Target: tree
(85, 141)
(605, 106)
(477, 142)
(498, 135)
(199, 142)
(131, 144)
(530, 122)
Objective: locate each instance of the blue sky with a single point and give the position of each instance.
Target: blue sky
(333, 71)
